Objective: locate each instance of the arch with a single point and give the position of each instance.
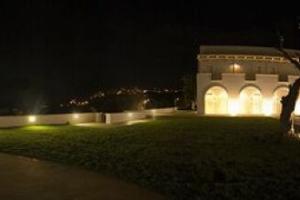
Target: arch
(216, 101)
(251, 101)
(250, 85)
(279, 87)
(278, 93)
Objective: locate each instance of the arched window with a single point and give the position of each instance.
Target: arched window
(278, 94)
(216, 101)
(251, 101)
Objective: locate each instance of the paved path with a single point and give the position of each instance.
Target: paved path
(24, 178)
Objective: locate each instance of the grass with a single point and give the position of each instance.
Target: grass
(183, 157)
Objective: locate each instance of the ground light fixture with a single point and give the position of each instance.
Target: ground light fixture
(32, 119)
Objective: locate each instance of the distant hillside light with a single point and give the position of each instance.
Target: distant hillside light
(32, 119)
(146, 101)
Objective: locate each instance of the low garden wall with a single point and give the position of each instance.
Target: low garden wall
(161, 111)
(15, 121)
(76, 118)
(111, 118)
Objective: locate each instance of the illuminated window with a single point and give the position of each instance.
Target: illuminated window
(216, 101)
(251, 101)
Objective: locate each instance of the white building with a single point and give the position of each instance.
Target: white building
(235, 80)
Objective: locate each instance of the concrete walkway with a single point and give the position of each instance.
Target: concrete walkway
(25, 178)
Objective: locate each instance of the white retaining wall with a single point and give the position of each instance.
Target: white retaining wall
(160, 111)
(76, 118)
(112, 118)
(15, 121)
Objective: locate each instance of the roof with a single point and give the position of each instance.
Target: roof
(245, 50)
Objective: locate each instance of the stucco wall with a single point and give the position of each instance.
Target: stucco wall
(236, 67)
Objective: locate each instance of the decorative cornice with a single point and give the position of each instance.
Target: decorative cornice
(256, 58)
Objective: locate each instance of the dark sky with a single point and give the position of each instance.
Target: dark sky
(58, 49)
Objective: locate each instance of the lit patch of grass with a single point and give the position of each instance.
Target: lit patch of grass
(39, 128)
(184, 156)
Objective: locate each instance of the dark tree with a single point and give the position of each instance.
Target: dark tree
(289, 102)
(189, 89)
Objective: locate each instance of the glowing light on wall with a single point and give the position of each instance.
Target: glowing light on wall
(234, 107)
(130, 114)
(268, 107)
(76, 116)
(32, 119)
(235, 67)
(153, 112)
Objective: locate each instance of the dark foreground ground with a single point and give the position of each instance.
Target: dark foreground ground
(181, 157)
(23, 178)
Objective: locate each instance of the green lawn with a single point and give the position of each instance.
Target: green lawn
(183, 157)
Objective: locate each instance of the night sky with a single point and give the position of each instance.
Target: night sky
(54, 50)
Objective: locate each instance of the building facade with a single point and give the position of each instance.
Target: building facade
(235, 80)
